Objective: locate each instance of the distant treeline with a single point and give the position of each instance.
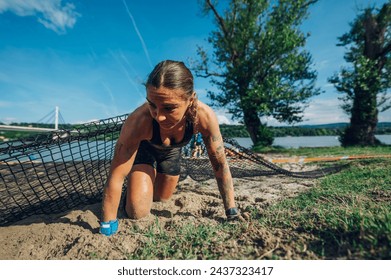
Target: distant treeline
(12, 135)
(231, 130)
(42, 125)
(305, 130)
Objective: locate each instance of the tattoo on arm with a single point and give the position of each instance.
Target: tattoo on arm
(210, 139)
(216, 138)
(117, 148)
(217, 158)
(216, 151)
(121, 150)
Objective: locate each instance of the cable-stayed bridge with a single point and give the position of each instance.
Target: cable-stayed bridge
(52, 117)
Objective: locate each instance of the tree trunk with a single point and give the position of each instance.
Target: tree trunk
(363, 121)
(252, 123)
(260, 134)
(364, 117)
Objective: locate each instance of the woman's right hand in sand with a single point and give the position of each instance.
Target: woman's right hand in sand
(109, 228)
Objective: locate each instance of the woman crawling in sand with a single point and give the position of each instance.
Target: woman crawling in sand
(149, 147)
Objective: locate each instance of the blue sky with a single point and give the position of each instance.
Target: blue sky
(90, 57)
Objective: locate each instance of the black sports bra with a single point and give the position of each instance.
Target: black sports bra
(156, 140)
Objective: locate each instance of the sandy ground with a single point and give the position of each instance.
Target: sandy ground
(74, 234)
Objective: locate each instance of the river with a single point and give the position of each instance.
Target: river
(101, 150)
(308, 141)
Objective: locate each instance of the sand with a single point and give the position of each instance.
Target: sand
(73, 235)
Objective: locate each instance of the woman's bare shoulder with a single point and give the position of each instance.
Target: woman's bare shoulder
(204, 111)
(138, 125)
(207, 118)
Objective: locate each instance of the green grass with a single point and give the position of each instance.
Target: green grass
(346, 216)
(187, 242)
(327, 151)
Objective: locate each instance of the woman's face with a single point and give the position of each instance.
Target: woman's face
(167, 106)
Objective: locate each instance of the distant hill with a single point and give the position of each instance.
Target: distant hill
(328, 125)
(341, 125)
(384, 124)
(300, 130)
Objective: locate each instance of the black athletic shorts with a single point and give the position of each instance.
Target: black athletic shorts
(165, 161)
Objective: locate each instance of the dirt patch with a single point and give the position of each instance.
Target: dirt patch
(74, 234)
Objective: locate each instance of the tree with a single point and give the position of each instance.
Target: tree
(366, 83)
(259, 64)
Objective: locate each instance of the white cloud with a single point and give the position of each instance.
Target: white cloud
(4, 104)
(385, 116)
(328, 85)
(323, 111)
(223, 119)
(322, 64)
(201, 92)
(319, 111)
(51, 13)
(7, 120)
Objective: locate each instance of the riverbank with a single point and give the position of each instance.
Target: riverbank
(307, 141)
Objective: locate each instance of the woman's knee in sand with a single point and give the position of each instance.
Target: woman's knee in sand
(137, 214)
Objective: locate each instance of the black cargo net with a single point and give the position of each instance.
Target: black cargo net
(56, 171)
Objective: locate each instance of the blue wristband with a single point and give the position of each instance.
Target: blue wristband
(109, 228)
